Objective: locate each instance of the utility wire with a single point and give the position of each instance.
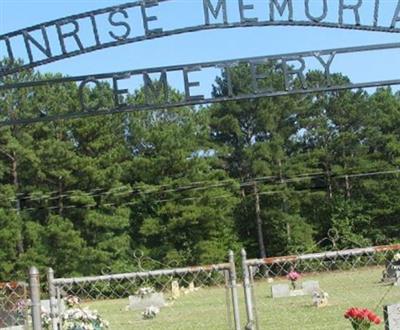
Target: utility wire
(243, 184)
(119, 191)
(159, 188)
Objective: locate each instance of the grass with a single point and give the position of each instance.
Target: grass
(206, 308)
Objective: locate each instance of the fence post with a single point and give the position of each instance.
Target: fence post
(53, 300)
(34, 286)
(228, 298)
(233, 284)
(247, 293)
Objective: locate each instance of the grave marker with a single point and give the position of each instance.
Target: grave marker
(280, 290)
(143, 302)
(191, 287)
(397, 283)
(392, 317)
(176, 293)
(310, 287)
(46, 306)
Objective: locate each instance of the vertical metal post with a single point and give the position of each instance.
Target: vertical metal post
(53, 299)
(34, 286)
(253, 298)
(228, 299)
(59, 304)
(247, 293)
(235, 299)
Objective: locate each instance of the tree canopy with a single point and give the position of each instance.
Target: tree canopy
(184, 185)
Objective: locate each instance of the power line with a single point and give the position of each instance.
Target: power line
(243, 184)
(159, 188)
(197, 185)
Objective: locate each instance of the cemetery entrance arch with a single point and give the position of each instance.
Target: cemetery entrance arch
(141, 20)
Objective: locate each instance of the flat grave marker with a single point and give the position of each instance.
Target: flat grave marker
(143, 302)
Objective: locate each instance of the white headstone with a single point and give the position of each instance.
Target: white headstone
(46, 306)
(397, 281)
(142, 302)
(309, 287)
(176, 293)
(392, 317)
(280, 290)
(191, 287)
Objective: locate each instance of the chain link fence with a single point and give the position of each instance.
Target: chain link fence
(14, 305)
(313, 291)
(203, 297)
(304, 291)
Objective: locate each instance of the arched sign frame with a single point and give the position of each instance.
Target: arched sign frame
(213, 10)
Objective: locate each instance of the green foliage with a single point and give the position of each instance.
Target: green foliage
(83, 195)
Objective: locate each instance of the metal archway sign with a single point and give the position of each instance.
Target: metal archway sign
(120, 27)
(214, 15)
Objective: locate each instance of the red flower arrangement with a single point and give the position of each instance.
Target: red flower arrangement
(361, 319)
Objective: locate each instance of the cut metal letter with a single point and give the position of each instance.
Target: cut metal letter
(396, 16)
(355, 8)
(116, 91)
(326, 65)
(9, 48)
(147, 19)
(256, 76)
(29, 39)
(156, 90)
(208, 7)
(317, 18)
(242, 8)
(189, 84)
(82, 85)
(274, 4)
(74, 33)
(119, 23)
(289, 71)
(226, 70)
(95, 30)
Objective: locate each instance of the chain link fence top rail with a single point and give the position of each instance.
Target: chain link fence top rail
(313, 291)
(183, 298)
(14, 305)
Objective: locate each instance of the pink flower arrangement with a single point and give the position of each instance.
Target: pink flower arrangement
(293, 276)
(361, 319)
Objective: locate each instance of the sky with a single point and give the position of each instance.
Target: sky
(210, 45)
